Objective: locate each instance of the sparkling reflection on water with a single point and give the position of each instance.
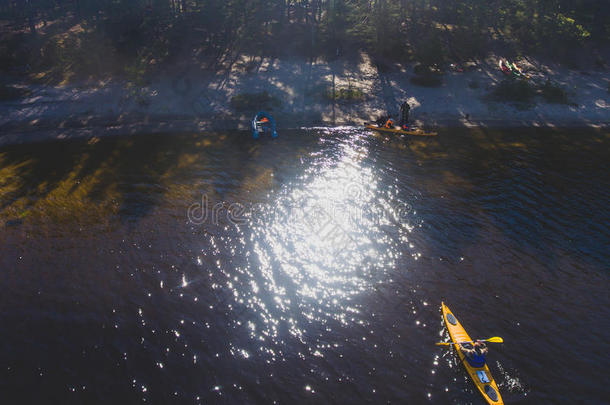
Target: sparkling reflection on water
(318, 244)
(323, 285)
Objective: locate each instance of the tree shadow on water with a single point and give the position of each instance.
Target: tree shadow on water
(116, 176)
(127, 177)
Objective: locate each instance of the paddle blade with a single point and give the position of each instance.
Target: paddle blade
(495, 339)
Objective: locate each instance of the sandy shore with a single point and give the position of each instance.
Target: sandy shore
(190, 99)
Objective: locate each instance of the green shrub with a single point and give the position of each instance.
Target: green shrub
(424, 70)
(254, 101)
(135, 73)
(348, 94)
(511, 90)
(569, 30)
(427, 75)
(553, 93)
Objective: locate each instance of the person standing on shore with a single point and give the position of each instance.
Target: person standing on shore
(404, 114)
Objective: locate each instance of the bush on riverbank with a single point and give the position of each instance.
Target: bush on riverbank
(345, 94)
(514, 91)
(254, 101)
(427, 76)
(524, 92)
(554, 94)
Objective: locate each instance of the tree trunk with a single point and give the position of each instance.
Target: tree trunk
(31, 19)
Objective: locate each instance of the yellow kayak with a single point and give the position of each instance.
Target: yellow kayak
(416, 132)
(480, 375)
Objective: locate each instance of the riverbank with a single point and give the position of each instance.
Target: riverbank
(305, 93)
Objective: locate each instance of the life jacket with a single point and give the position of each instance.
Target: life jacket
(389, 123)
(476, 360)
(264, 120)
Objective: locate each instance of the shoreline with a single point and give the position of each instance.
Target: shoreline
(199, 100)
(114, 128)
(40, 133)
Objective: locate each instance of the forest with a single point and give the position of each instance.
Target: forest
(107, 37)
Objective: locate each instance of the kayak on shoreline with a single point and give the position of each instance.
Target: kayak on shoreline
(395, 130)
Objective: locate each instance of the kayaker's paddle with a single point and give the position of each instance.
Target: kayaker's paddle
(495, 339)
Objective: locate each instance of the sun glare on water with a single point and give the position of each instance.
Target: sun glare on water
(322, 241)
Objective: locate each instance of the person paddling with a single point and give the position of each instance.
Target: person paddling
(389, 123)
(475, 353)
(385, 121)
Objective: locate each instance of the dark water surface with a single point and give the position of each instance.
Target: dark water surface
(318, 273)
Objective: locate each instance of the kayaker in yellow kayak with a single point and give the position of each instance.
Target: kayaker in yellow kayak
(480, 374)
(385, 121)
(475, 353)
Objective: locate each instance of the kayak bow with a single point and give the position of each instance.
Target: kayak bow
(480, 375)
